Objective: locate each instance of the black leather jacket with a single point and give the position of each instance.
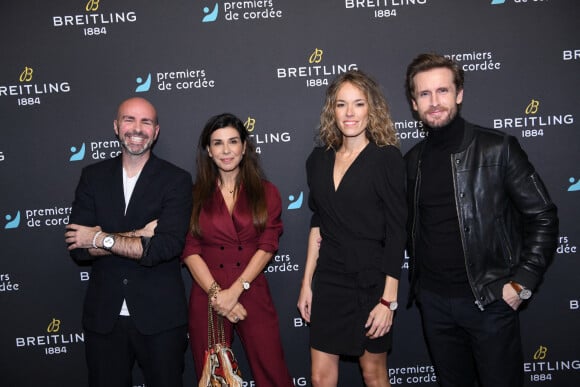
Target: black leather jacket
(508, 223)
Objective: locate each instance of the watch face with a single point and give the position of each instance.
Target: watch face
(246, 285)
(108, 242)
(394, 305)
(525, 294)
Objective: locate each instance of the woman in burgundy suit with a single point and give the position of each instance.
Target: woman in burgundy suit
(235, 226)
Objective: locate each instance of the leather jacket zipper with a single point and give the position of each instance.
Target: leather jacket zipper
(461, 232)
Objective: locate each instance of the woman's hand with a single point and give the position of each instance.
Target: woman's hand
(224, 301)
(305, 302)
(379, 322)
(237, 313)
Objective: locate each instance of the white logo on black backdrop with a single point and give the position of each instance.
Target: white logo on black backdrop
(383, 9)
(92, 22)
(533, 124)
(175, 80)
(315, 73)
(237, 11)
(29, 93)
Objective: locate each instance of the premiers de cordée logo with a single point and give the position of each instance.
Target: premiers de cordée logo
(175, 80)
(7, 284)
(236, 11)
(38, 217)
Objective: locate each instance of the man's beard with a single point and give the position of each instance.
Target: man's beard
(145, 146)
(436, 125)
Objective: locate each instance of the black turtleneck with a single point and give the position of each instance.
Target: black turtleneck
(439, 249)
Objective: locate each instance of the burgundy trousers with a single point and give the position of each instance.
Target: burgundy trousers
(258, 333)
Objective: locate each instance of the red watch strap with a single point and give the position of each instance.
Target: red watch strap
(385, 302)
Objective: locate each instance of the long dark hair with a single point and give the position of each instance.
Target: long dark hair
(250, 175)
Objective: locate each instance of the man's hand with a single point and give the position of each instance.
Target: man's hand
(511, 297)
(80, 237)
(147, 231)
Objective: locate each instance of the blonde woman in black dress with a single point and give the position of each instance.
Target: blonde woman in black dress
(357, 236)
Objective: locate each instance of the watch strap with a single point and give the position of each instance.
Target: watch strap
(517, 287)
(392, 305)
(523, 293)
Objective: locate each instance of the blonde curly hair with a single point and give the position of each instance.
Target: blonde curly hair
(380, 129)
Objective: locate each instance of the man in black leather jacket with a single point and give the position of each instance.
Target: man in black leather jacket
(482, 231)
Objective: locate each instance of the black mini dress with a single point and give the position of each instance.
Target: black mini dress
(362, 224)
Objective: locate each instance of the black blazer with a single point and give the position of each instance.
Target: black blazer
(152, 286)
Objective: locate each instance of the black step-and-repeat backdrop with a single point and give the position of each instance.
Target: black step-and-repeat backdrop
(66, 64)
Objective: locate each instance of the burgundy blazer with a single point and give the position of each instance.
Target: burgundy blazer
(231, 241)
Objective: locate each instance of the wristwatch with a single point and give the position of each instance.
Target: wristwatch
(109, 242)
(523, 293)
(245, 284)
(392, 305)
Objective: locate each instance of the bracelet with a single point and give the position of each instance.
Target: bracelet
(95, 239)
(213, 290)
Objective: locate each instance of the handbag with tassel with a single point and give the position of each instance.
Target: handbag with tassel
(220, 367)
